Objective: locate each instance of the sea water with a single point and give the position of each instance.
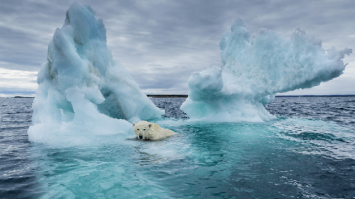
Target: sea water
(307, 152)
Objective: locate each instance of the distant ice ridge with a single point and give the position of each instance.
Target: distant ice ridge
(255, 68)
(81, 89)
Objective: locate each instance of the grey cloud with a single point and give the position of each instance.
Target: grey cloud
(171, 34)
(161, 77)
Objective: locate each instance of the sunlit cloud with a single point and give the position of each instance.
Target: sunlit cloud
(19, 82)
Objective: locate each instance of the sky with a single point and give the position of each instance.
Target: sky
(162, 42)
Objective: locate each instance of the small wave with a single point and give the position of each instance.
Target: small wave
(318, 137)
(312, 136)
(17, 112)
(14, 128)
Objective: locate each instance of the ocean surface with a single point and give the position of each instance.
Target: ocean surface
(307, 152)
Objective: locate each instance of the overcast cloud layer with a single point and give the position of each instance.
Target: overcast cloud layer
(162, 42)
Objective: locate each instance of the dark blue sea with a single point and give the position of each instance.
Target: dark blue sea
(307, 152)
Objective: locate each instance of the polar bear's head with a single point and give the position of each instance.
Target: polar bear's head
(144, 130)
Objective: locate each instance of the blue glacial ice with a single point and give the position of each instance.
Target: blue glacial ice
(81, 89)
(254, 68)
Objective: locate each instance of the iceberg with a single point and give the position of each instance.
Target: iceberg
(81, 89)
(254, 68)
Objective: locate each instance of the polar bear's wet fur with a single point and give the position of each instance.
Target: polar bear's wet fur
(150, 131)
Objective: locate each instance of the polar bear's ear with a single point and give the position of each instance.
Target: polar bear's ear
(150, 125)
(134, 124)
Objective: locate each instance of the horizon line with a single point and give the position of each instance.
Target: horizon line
(185, 96)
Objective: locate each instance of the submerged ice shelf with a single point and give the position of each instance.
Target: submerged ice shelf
(81, 88)
(255, 68)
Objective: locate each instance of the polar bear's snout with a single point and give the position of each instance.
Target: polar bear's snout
(140, 137)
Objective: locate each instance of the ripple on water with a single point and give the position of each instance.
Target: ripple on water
(306, 153)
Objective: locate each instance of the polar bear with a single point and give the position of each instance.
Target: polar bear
(150, 131)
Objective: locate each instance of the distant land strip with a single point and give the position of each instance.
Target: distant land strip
(315, 96)
(167, 96)
(23, 97)
(185, 96)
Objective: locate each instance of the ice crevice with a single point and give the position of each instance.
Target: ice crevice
(254, 67)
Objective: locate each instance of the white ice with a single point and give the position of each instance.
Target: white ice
(255, 68)
(81, 89)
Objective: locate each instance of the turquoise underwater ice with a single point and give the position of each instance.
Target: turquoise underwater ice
(287, 157)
